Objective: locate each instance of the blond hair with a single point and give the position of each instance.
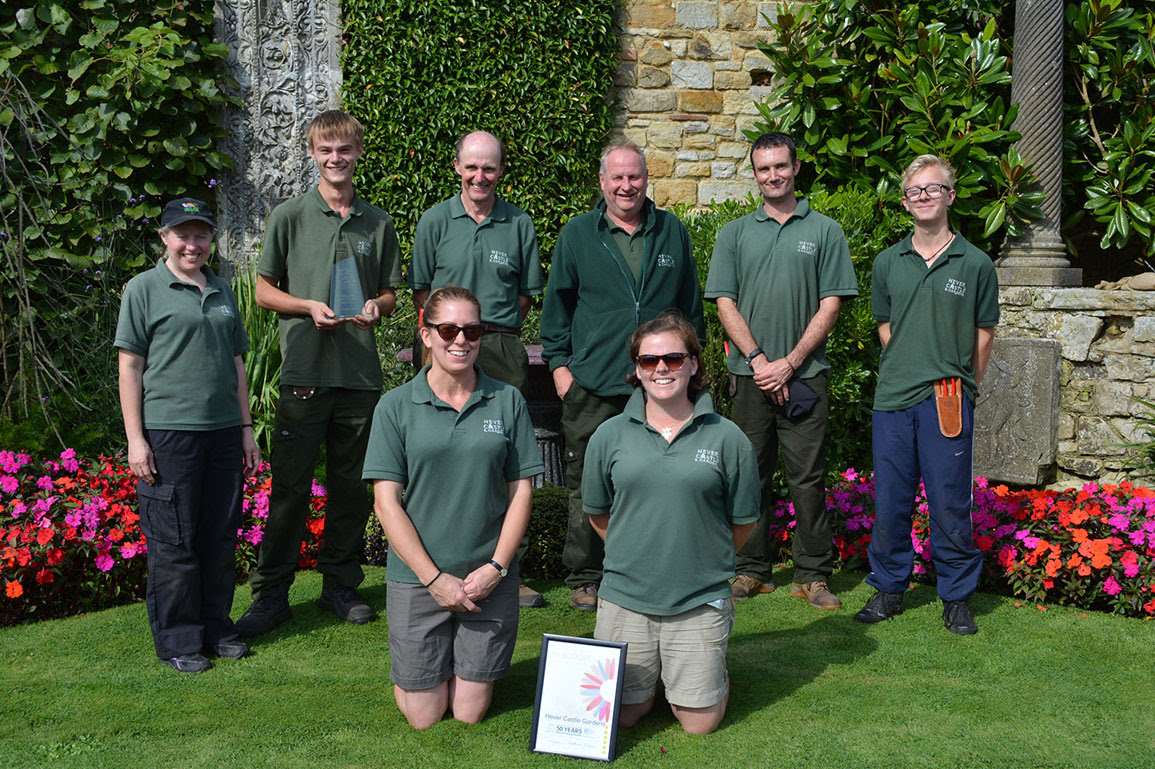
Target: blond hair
(927, 161)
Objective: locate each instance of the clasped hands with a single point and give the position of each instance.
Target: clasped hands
(462, 595)
(773, 377)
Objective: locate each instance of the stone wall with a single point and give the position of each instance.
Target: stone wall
(1107, 362)
(690, 76)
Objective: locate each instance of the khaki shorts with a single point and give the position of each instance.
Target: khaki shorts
(688, 650)
(429, 644)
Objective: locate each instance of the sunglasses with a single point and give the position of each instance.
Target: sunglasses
(449, 331)
(673, 361)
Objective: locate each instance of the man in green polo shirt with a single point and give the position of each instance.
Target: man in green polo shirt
(326, 238)
(614, 268)
(479, 241)
(779, 276)
(936, 300)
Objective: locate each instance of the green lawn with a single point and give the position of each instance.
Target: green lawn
(1060, 688)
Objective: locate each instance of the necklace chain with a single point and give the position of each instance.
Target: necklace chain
(941, 248)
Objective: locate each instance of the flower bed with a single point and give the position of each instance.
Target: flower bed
(70, 538)
(1092, 547)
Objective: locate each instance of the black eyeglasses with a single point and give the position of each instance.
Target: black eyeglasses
(449, 331)
(673, 361)
(933, 191)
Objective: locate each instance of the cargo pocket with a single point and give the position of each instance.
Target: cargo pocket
(158, 514)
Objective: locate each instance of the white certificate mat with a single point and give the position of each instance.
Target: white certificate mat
(579, 687)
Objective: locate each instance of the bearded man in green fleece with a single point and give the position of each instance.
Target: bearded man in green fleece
(614, 268)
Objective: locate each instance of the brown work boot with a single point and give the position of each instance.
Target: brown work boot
(528, 598)
(744, 586)
(817, 594)
(584, 598)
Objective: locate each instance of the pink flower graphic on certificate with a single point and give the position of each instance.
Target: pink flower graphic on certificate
(598, 687)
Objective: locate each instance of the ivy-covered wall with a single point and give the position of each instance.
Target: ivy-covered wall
(419, 73)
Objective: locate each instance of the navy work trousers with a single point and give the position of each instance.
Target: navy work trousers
(908, 445)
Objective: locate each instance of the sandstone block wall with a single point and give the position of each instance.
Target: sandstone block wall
(690, 76)
(1107, 363)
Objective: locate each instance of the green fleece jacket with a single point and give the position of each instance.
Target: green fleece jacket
(593, 304)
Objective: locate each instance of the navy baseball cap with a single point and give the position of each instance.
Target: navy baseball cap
(184, 210)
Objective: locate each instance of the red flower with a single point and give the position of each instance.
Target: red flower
(984, 542)
(45, 577)
(13, 589)
(55, 556)
(44, 536)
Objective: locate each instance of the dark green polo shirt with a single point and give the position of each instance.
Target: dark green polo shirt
(497, 259)
(303, 238)
(669, 546)
(933, 314)
(189, 340)
(631, 247)
(454, 467)
(777, 274)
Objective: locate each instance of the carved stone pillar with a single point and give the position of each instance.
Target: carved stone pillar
(284, 56)
(1038, 257)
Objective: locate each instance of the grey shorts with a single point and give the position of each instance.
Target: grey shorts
(429, 644)
(687, 650)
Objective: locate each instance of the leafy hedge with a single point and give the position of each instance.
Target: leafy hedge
(107, 108)
(869, 85)
(418, 73)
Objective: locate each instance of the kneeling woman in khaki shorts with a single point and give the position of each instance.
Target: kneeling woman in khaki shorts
(673, 489)
(451, 454)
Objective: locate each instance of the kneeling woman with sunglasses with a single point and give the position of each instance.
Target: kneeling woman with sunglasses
(451, 454)
(672, 488)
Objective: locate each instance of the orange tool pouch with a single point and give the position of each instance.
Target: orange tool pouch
(948, 402)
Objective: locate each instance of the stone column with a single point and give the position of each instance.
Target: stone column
(284, 56)
(1038, 256)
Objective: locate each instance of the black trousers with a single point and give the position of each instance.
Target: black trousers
(190, 518)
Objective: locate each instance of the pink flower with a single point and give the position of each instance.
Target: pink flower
(850, 474)
(44, 483)
(1119, 521)
(1112, 586)
(9, 484)
(68, 460)
(105, 562)
(318, 490)
(254, 535)
(128, 550)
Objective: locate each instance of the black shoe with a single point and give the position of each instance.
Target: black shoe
(188, 663)
(957, 617)
(346, 604)
(880, 606)
(264, 615)
(231, 650)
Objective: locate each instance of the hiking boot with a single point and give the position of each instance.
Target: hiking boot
(957, 617)
(528, 598)
(264, 615)
(744, 586)
(230, 650)
(585, 597)
(880, 606)
(817, 594)
(346, 604)
(188, 663)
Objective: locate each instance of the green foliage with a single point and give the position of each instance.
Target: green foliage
(262, 361)
(1110, 125)
(871, 224)
(107, 107)
(547, 528)
(867, 87)
(419, 73)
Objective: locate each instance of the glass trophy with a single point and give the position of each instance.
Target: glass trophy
(345, 295)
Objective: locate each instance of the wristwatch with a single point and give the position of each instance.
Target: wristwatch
(500, 569)
(753, 354)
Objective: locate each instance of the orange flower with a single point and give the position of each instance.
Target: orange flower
(1001, 490)
(1079, 535)
(1075, 561)
(1083, 571)
(1077, 516)
(13, 589)
(1053, 567)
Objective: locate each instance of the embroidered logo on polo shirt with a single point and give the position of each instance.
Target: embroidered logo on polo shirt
(363, 247)
(493, 426)
(665, 260)
(708, 456)
(956, 287)
(807, 247)
(225, 310)
(499, 257)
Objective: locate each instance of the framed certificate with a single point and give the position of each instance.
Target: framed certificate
(579, 687)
